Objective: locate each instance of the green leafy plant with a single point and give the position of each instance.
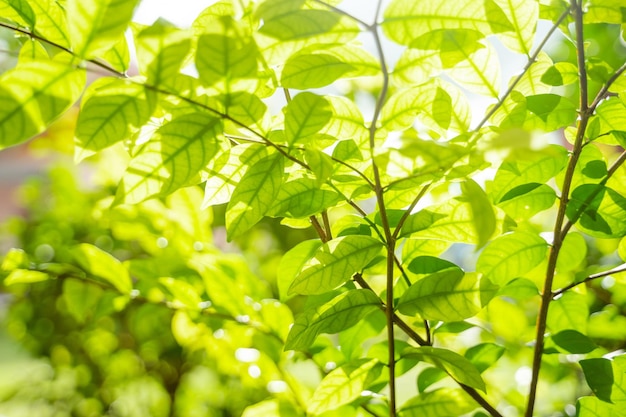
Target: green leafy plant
(369, 241)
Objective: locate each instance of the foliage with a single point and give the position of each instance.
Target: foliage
(369, 240)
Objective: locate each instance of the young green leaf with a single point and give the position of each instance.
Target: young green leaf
(523, 16)
(454, 364)
(111, 111)
(340, 313)
(448, 295)
(24, 276)
(312, 71)
(306, 115)
(301, 198)
(292, 262)
(50, 21)
(406, 20)
(600, 377)
(440, 402)
(19, 11)
(94, 26)
(511, 256)
(573, 342)
(482, 211)
(172, 159)
(599, 210)
(32, 95)
(568, 312)
(484, 355)
(254, 195)
(334, 263)
(81, 298)
(100, 264)
(344, 385)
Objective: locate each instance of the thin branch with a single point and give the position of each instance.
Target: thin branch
(616, 270)
(604, 91)
(318, 228)
(480, 400)
(546, 296)
(327, 228)
(408, 211)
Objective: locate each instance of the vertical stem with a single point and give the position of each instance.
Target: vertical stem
(389, 237)
(559, 233)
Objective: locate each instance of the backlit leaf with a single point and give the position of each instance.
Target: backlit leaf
(340, 313)
(254, 195)
(443, 402)
(482, 211)
(448, 295)
(96, 25)
(523, 16)
(301, 198)
(305, 71)
(511, 256)
(484, 355)
(171, 159)
(305, 115)
(100, 264)
(599, 211)
(406, 20)
(292, 262)
(32, 95)
(334, 263)
(568, 312)
(111, 112)
(51, 22)
(343, 385)
(455, 365)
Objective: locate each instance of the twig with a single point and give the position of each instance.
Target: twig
(546, 296)
(616, 270)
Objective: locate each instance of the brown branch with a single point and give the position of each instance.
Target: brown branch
(616, 270)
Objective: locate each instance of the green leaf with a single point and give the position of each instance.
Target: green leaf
(407, 20)
(484, 355)
(343, 385)
(340, 313)
(598, 210)
(511, 256)
(561, 73)
(223, 58)
(94, 26)
(24, 276)
(24, 13)
(594, 407)
(524, 201)
(32, 95)
(428, 377)
(171, 159)
(226, 171)
(568, 312)
(448, 295)
(599, 376)
(455, 365)
(482, 211)
(440, 106)
(573, 252)
(51, 23)
(292, 262)
(525, 167)
(161, 51)
(103, 265)
(119, 55)
(312, 71)
(523, 16)
(111, 111)
(306, 115)
(334, 263)
(443, 402)
(14, 259)
(183, 293)
(301, 198)
(271, 408)
(452, 221)
(81, 298)
(573, 342)
(551, 110)
(254, 195)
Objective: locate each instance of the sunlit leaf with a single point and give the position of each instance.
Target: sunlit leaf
(343, 385)
(406, 20)
(302, 198)
(51, 22)
(171, 159)
(32, 95)
(455, 365)
(573, 252)
(478, 71)
(340, 313)
(24, 276)
(599, 210)
(111, 111)
(511, 256)
(254, 195)
(18, 10)
(305, 115)
(303, 71)
(102, 265)
(161, 50)
(523, 16)
(334, 263)
(226, 171)
(81, 298)
(484, 355)
(448, 295)
(94, 26)
(568, 312)
(438, 403)
(482, 211)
